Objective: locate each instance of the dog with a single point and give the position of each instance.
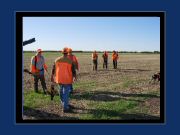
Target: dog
(156, 76)
(52, 92)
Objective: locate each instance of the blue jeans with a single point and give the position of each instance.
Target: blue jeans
(64, 95)
(71, 89)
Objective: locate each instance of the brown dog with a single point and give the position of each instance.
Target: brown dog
(52, 91)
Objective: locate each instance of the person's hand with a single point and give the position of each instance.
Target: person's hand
(46, 70)
(74, 79)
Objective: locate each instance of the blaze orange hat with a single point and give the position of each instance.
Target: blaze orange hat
(39, 50)
(65, 50)
(69, 50)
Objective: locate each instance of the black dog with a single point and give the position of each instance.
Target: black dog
(156, 77)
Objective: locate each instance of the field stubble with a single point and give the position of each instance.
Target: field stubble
(123, 93)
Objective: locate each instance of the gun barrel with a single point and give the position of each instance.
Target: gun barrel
(29, 41)
(27, 71)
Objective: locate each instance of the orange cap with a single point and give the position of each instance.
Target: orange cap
(69, 50)
(65, 50)
(39, 50)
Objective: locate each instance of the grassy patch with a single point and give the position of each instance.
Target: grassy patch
(37, 100)
(128, 83)
(108, 110)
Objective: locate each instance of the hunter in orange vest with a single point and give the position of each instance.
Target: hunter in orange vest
(105, 59)
(115, 58)
(73, 58)
(37, 69)
(95, 60)
(64, 74)
(75, 62)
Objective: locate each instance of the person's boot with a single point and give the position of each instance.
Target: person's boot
(35, 89)
(44, 91)
(71, 106)
(67, 110)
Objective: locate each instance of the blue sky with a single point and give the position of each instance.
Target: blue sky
(93, 33)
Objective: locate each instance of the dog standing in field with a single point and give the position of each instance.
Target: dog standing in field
(156, 76)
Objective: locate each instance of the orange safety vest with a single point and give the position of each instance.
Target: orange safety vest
(34, 69)
(63, 70)
(94, 56)
(105, 55)
(75, 61)
(114, 56)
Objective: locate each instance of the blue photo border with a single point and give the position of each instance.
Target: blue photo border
(8, 8)
(19, 61)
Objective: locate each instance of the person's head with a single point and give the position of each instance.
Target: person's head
(94, 51)
(65, 51)
(69, 51)
(114, 51)
(39, 51)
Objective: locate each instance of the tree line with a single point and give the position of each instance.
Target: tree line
(150, 52)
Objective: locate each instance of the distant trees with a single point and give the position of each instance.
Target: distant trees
(149, 52)
(156, 52)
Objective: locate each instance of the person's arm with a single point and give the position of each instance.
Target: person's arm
(112, 56)
(76, 62)
(44, 65)
(32, 66)
(117, 56)
(73, 72)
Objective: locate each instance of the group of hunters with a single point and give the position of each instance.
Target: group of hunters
(64, 72)
(115, 57)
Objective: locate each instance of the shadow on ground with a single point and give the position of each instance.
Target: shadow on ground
(108, 96)
(98, 114)
(35, 114)
(100, 71)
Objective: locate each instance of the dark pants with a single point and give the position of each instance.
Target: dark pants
(43, 83)
(95, 65)
(105, 63)
(115, 64)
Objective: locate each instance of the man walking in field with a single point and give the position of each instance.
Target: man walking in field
(37, 69)
(75, 62)
(114, 58)
(73, 58)
(95, 60)
(105, 59)
(64, 74)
